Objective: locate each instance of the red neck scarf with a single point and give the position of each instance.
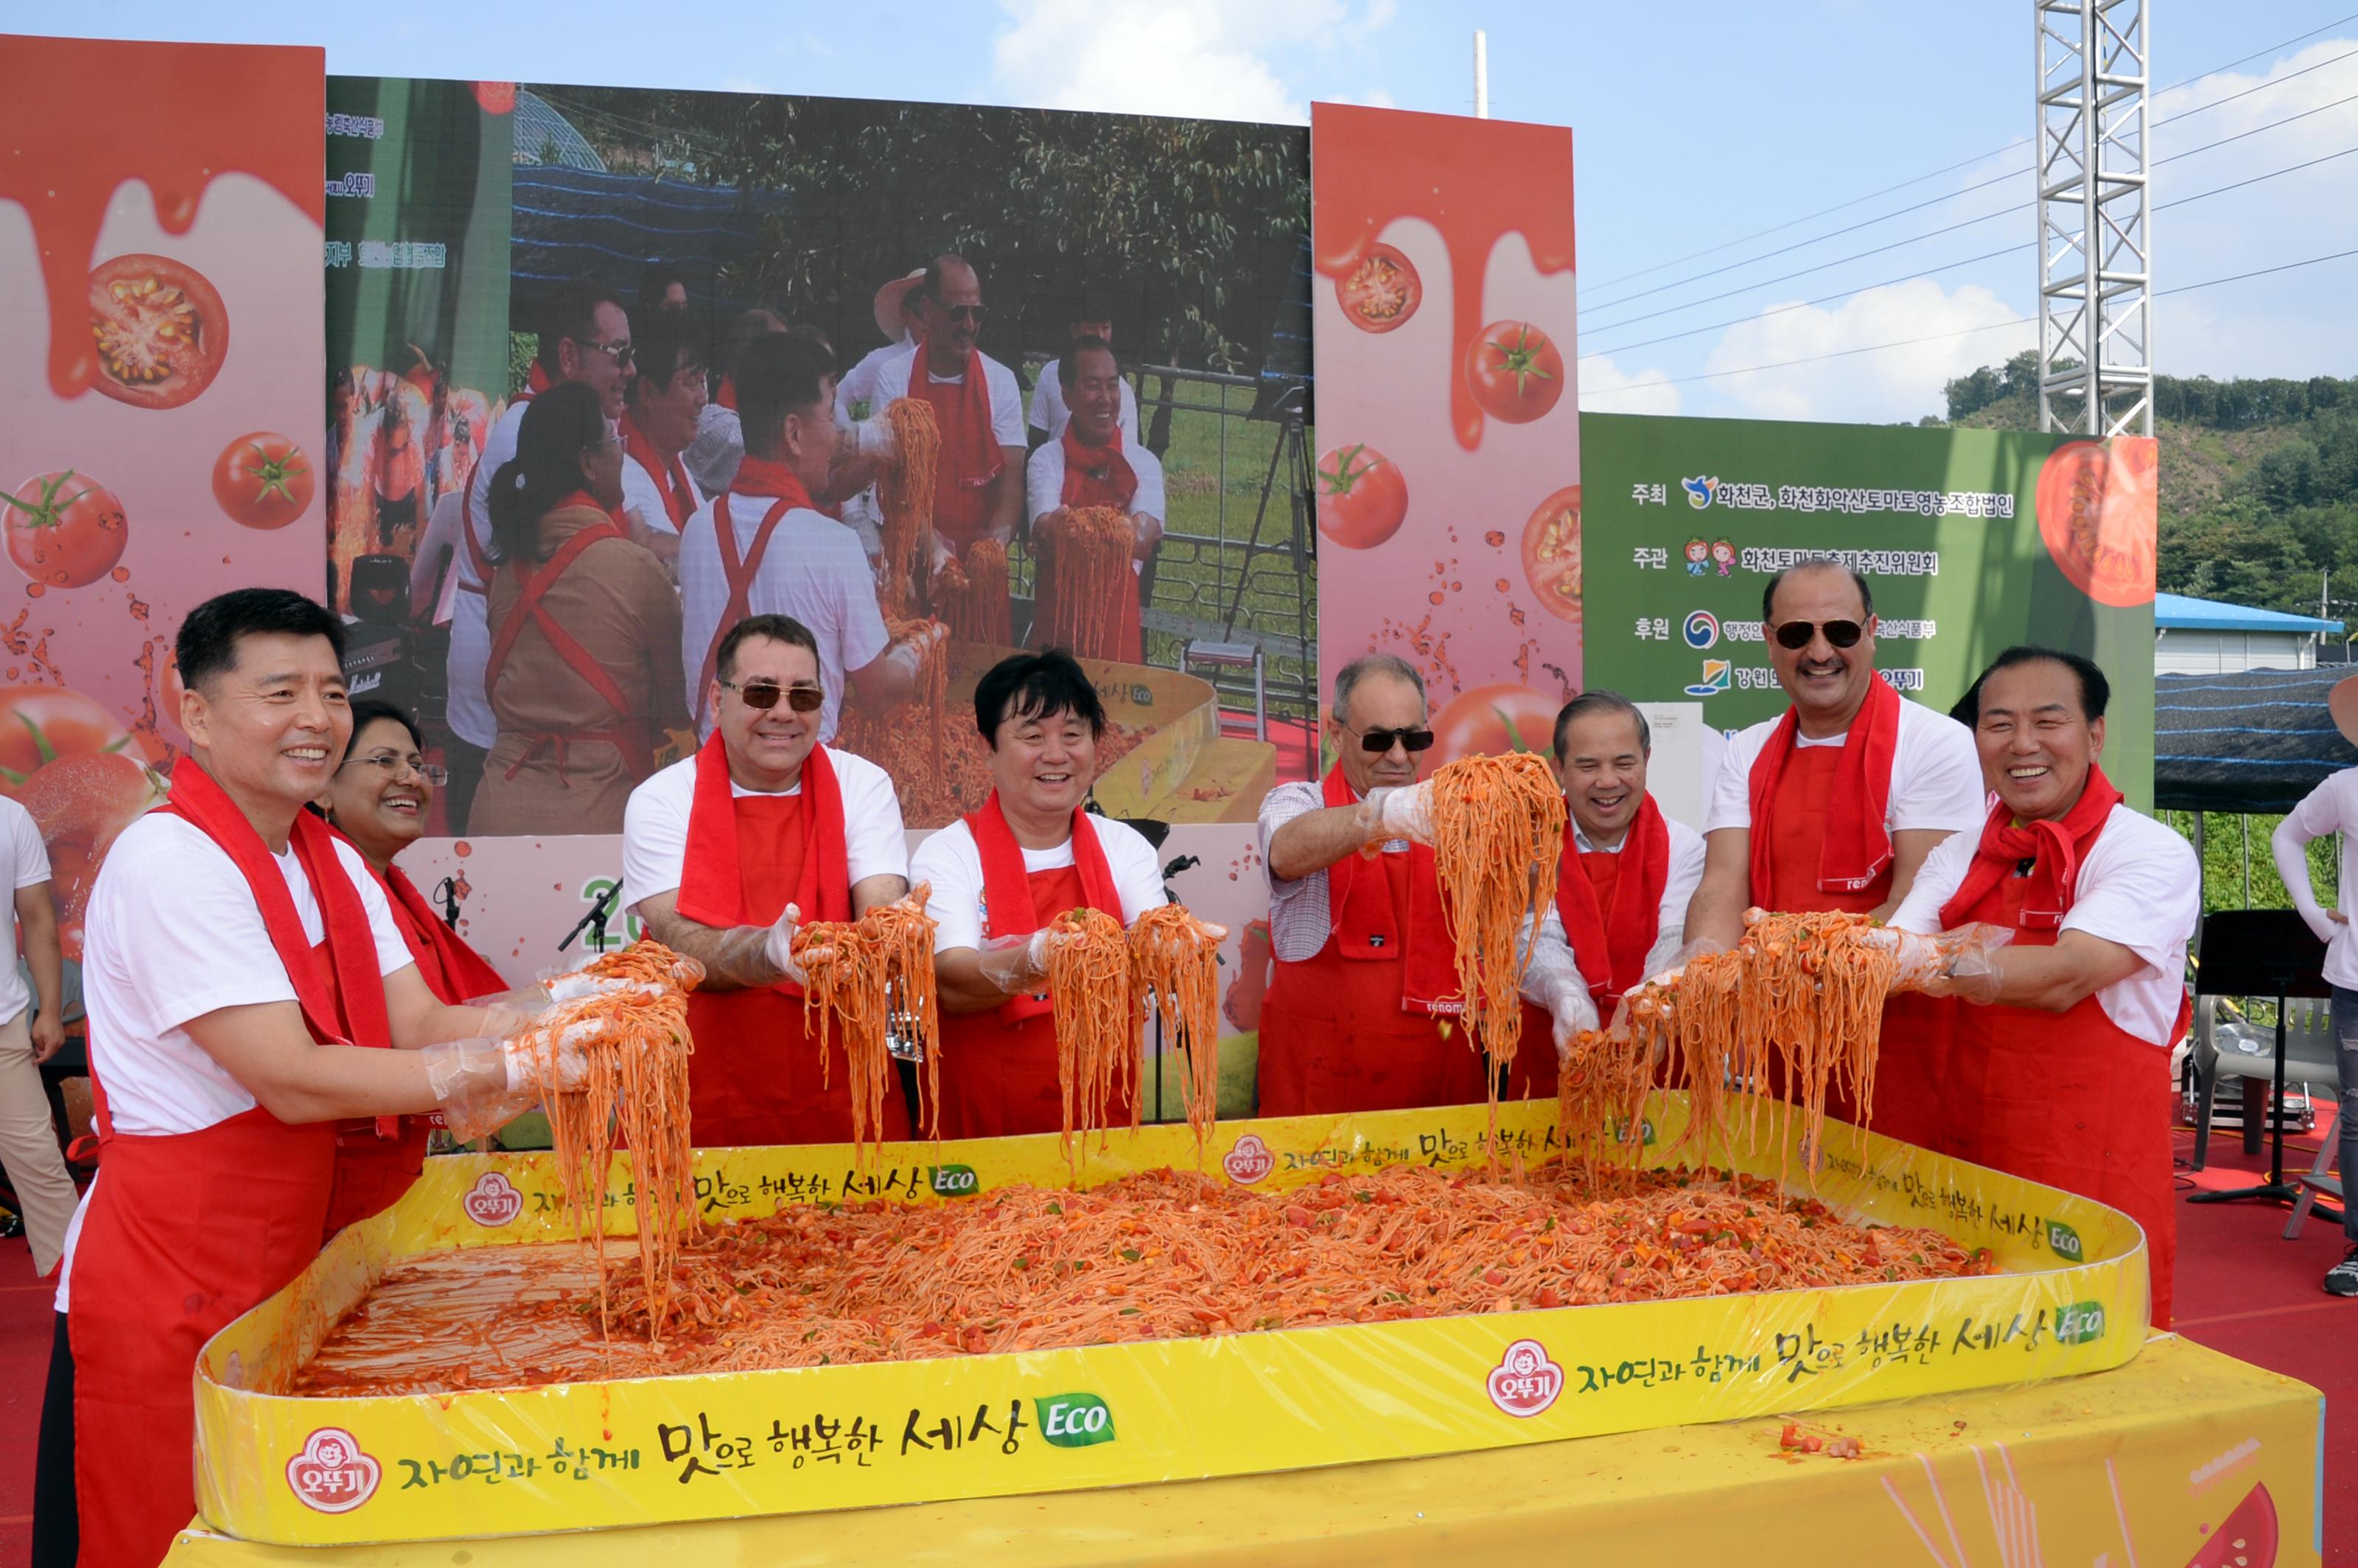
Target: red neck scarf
(535, 380)
(1857, 845)
(1008, 909)
(343, 999)
(1096, 476)
(1368, 927)
(764, 477)
(2055, 848)
(670, 477)
(970, 460)
(711, 878)
(453, 972)
(1611, 944)
(768, 476)
(727, 395)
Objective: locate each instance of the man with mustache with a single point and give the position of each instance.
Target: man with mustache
(2060, 1073)
(1835, 805)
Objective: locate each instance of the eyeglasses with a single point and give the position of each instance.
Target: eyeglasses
(1382, 741)
(392, 765)
(972, 313)
(611, 439)
(1794, 636)
(619, 353)
(763, 695)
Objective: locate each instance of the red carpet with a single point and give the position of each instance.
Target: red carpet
(2241, 1288)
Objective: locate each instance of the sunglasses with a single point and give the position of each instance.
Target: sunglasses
(1382, 741)
(763, 695)
(972, 313)
(1794, 636)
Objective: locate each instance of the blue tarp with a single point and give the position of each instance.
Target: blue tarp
(2254, 742)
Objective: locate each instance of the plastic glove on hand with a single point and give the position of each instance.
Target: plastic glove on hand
(778, 947)
(1958, 963)
(1401, 812)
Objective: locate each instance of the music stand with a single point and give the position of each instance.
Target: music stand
(2261, 952)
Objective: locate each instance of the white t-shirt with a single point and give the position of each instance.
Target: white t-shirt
(1006, 397)
(469, 711)
(654, 825)
(643, 495)
(1044, 483)
(27, 864)
(1678, 891)
(2331, 808)
(814, 570)
(951, 862)
(1936, 775)
(857, 396)
(2139, 887)
(1049, 413)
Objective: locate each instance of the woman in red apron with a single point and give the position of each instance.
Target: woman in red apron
(584, 674)
(380, 801)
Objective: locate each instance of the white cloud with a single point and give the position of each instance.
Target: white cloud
(1206, 60)
(1889, 384)
(1617, 391)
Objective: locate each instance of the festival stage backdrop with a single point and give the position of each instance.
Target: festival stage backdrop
(1449, 434)
(1972, 540)
(159, 407)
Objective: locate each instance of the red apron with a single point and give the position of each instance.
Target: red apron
(2069, 1099)
(1365, 1024)
(999, 1068)
(1533, 1075)
(757, 1078)
(759, 477)
(196, 1227)
(966, 474)
(628, 733)
(1093, 476)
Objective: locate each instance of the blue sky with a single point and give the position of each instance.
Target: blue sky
(1694, 126)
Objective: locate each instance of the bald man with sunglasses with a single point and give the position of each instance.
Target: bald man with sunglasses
(1835, 804)
(1363, 995)
(725, 853)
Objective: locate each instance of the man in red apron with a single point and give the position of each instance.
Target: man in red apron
(1092, 463)
(2062, 1074)
(1621, 890)
(662, 404)
(1835, 805)
(1000, 875)
(1360, 1008)
(978, 478)
(244, 979)
(724, 853)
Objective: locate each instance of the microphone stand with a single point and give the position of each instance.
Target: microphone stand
(446, 893)
(595, 920)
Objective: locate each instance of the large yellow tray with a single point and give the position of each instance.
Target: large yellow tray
(314, 1471)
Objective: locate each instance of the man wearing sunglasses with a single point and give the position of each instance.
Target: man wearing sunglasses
(979, 477)
(1359, 1007)
(724, 853)
(586, 338)
(1835, 804)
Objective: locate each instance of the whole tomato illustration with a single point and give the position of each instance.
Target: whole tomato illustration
(81, 805)
(1493, 720)
(1551, 553)
(1381, 292)
(2098, 517)
(65, 529)
(262, 480)
(40, 724)
(494, 97)
(1362, 499)
(161, 328)
(1515, 372)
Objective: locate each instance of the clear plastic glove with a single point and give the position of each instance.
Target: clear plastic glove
(778, 947)
(1401, 812)
(1659, 988)
(1552, 980)
(874, 438)
(908, 655)
(483, 1084)
(1018, 966)
(1959, 963)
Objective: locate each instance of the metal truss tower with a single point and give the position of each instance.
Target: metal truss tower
(2096, 240)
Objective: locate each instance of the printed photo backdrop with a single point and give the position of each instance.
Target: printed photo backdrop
(160, 430)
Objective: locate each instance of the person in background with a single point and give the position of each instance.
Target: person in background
(1052, 395)
(662, 291)
(28, 1141)
(586, 338)
(661, 406)
(1833, 805)
(1362, 1005)
(1092, 463)
(899, 316)
(979, 477)
(1001, 874)
(399, 468)
(724, 853)
(762, 549)
(720, 443)
(1622, 885)
(2060, 1073)
(584, 669)
(2331, 809)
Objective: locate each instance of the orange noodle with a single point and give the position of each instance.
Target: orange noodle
(971, 595)
(905, 493)
(1081, 570)
(1174, 965)
(1098, 1038)
(1158, 1256)
(636, 1084)
(868, 978)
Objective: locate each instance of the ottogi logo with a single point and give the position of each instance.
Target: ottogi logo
(331, 1474)
(1699, 492)
(1075, 1420)
(2063, 1240)
(1525, 1381)
(1249, 1161)
(492, 1200)
(1702, 629)
(954, 1181)
(2080, 1323)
